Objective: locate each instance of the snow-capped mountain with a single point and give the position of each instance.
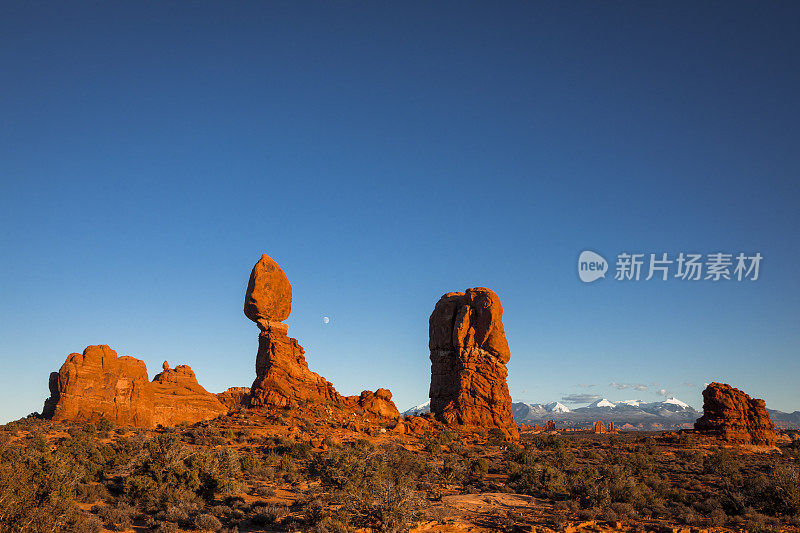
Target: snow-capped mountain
(670, 413)
(674, 401)
(637, 414)
(556, 407)
(530, 411)
(601, 403)
(419, 409)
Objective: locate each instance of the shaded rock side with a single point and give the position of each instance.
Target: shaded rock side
(178, 397)
(282, 374)
(468, 352)
(732, 416)
(98, 384)
(235, 397)
(269, 294)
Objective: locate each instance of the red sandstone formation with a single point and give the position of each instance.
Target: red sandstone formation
(282, 374)
(612, 428)
(469, 352)
(732, 416)
(269, 294)
(379, 403)
(178, 397)
(235, 398)
(599, 427)
(550, 426)
(98, 384)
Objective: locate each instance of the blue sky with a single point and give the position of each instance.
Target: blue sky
(385, 154)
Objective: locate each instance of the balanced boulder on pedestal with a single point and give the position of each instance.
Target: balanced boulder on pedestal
(282, 374)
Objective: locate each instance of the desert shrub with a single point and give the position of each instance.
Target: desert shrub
(540, 480)
(453, 470)
(37, 487)
(105, 427)
(375, 487)
(548, 442)
(207, 522)
(724, 464)
(496, 437)
(522, 455)
(300, 450)
(116, 518)
(206, 436)
(432, 441)
(166, 527)
(250, 464)
(167, 474)
(268, 514)
(479, 467)
(91, 492)
(776, 494)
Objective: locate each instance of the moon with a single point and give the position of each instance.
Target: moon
(325, 319)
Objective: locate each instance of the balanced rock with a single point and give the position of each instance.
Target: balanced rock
(178, 397)
(282, 374)
(732, 416)
(97, 384)
(269, 294)
(469, 352)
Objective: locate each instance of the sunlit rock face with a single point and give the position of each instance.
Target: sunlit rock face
(98, 384)
(732, 416)
(469, 352)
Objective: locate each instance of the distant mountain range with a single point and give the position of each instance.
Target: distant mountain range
(626, 414)
(785, 420)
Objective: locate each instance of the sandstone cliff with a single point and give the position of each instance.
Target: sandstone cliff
(468, 352)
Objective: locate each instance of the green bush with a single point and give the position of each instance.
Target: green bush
(374, 487)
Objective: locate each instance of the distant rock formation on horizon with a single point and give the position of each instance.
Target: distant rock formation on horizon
(734, 417)
(98, 384)
(469, 353)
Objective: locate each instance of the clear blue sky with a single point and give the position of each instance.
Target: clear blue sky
(384, 154)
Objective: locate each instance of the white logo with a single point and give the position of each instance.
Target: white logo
(591, 266)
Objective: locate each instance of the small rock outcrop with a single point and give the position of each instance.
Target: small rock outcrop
(178, 397)
(732, 416)
(282, 374)
(235, 398)
(98, 384)
(469, 352)
(379, 403)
